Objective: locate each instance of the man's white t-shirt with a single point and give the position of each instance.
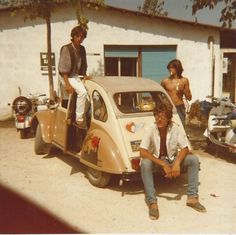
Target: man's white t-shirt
(175, 140)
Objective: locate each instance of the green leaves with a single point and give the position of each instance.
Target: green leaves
(228, 13)
(80, 5)
(33, 9)
(153, 7)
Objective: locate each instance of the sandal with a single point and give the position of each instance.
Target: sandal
(153, 212)
(195, 204)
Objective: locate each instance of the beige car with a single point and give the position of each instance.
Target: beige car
(119, 110)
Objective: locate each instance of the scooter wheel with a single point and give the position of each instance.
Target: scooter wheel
(24, 133)
(22, 105)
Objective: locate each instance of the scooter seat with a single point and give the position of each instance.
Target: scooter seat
(223, 117)
(221, 126)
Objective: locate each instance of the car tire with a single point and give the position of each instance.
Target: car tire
(98, 178)
(40, 146)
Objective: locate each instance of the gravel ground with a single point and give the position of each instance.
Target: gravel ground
(56, 184)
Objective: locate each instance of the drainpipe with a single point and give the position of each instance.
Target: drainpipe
(211, 47)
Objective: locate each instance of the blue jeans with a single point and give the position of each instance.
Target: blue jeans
(190, 162)
(182, 113)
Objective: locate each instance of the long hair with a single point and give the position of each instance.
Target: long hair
(177, 65)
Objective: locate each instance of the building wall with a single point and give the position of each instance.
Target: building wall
(21, 43)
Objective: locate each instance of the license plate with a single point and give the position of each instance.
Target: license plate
(135, 145)
(232, 149)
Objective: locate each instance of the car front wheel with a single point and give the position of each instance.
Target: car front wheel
(40, 146)
(98, 178)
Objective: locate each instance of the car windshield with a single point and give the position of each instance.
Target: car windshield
(138, 102)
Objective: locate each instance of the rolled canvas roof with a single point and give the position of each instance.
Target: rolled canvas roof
(119, 84)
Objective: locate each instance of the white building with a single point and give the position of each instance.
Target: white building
(119, 42)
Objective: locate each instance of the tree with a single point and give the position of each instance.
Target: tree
(33, 9)
(153, 7)
(228, 13)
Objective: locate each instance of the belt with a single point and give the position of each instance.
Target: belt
(81, 77)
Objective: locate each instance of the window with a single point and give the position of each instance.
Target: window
(139, 61)
(111, 67)
(121, 60)
(128, 67)
(99, 107)
(138, 102)
(121, 66)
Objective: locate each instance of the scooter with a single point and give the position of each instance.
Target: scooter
(221, 129)
(24, 109)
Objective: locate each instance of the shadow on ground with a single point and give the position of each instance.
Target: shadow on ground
(73, 162)
(165, 187)
(172, 189)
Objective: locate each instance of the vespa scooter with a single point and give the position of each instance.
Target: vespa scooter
(221, 129)
(24, 109)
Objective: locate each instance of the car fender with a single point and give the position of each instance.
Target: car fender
(101, 152)
(44, 120)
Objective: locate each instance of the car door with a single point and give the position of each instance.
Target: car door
(64, 117)
(60, 128)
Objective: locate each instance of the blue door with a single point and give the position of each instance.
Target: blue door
(155, 60)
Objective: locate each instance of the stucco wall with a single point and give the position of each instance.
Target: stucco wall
(21, 43)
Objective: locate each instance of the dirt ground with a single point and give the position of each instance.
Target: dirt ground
(50, 193)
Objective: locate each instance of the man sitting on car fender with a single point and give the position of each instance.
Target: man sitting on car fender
(159, 146)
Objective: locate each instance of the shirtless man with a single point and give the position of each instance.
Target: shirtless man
(177, 86)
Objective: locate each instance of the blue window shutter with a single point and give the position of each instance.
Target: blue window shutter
(155, 60)
(121, 51)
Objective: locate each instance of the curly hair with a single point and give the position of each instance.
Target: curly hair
(163, 108)
(78, 29)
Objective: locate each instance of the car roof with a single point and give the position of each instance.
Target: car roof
(126, 84)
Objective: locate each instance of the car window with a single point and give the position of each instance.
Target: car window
(99, 107)
(138, 102)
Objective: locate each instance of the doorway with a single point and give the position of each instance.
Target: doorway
(229, 76)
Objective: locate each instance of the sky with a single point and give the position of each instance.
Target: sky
(177, 9)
